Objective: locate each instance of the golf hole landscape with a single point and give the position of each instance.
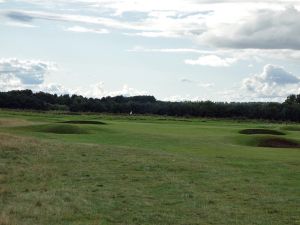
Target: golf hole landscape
(59, 168)
(149, 112)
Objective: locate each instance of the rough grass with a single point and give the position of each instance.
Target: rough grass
(13, 122)
(54, 183)
(261, 131)
(4, 220)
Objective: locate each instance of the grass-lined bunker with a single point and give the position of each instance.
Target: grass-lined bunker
(58, 128)
(275, 142)
(261, 131)
(88, 122)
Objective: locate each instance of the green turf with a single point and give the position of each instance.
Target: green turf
(291, 128)
(144, 170)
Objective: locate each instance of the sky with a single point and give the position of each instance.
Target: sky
(175, 50)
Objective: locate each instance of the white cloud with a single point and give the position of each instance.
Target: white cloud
(80, 29)
(187, 80)
(18, 74)
(271, 75)
(256, 55)
(236, 30)
(25, 15)
(169, 50)
(53, 88)
(199, 84)
(155, 34)
(184, 98)
(29, 72)
(206, 85)
(20, 24)
(9, 82)
(98, 91)
(273, 83)
(127, 91)
(261, 25)
(211, 60)
(260, 29)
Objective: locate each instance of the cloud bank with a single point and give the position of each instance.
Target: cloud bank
(18, 74)
(14, 72)
(211, 60)
(221, 37)
(263, 29)
(263, 25)
(274, 82)
(80, 29)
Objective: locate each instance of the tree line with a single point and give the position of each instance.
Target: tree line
(26, 99)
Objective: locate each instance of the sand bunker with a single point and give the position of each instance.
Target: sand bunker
(278, 143)
(261, 131)
(62, 129)
(84, 122)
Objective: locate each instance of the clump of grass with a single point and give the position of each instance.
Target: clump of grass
(5, 220)
(90, 122)
(261, 131)
(3, 191)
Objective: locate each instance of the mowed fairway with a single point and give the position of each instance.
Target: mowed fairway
(101, 169)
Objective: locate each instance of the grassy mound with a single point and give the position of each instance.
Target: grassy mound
(291, 128)
(61, 129)
(277, 143)
(91, 122)
(261, 131)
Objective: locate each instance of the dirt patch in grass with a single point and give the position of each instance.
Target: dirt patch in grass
(91, 122)
(261, 131)
(277, 143)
